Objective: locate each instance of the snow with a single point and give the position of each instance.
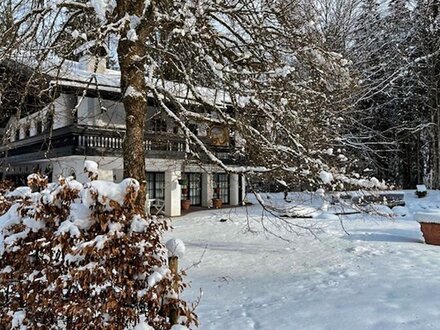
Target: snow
(282, 182)
(102, 7)
(98, 242)
(91, 167)
(157, 276)
(329, 151)
(132, 92)
(430, 217)
(142, 326)
(379, 209)
(401, 211)
(138, 224)
(68, 227)
(381, 276)
(73, 184)
(20, 192)
(80, 216)
(326, 215)
(18, 318)
(176, 248)
(421, 188)
(107, 191)
(34, 225)
(326, 177)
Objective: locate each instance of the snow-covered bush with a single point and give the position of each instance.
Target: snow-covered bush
(78, 256)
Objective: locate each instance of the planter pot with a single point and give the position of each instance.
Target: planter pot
(184, 191)
(217, 203)
(421, 194)
(185, 204)
(431, 232)
(183, 182)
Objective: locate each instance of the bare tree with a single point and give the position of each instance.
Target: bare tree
(259, 70)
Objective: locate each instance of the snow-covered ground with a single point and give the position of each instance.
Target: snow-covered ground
(380, 276)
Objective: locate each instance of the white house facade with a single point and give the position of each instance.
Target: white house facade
(86, 121)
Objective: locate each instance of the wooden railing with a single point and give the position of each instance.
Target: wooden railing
(82, 140)
(103, 140)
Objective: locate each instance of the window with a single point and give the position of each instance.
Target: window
(39, 127)
(193, 189)
(156, 185)
(194, 128)
(158, 125)
(221, 187)
(27, 131)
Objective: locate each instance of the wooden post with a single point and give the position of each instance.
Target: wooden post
(173, 263)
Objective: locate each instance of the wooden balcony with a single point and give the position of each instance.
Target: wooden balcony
(94, 141)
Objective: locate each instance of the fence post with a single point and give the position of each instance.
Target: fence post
(173, 263)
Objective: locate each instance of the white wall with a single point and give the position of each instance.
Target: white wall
(63, 107)
(66, 166)
(62, 115)
(90, 113)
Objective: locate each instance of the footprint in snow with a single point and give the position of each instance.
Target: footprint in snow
(328, 284)
(364, 251)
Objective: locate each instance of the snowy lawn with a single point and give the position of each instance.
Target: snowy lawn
(381, 276)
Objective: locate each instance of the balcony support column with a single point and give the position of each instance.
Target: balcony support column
(172, 194)
(234, 193)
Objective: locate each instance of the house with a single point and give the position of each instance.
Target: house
(86, 121)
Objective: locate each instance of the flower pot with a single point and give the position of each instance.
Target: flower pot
(185, 204)
(429, 225)
(421, 194)
(184, 191)
(217, 203)
(183, 182)
(431, 232)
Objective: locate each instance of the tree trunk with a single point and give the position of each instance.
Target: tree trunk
(134, 91)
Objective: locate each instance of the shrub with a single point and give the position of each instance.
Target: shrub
(82, 257)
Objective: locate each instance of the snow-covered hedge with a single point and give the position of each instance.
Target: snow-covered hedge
(78, 256)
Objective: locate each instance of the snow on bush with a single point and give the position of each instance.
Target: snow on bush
(105, 192)
(91, 168)
(326, 177)
(81, 256)
(20, 192)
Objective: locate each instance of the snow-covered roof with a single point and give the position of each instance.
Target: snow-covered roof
(72, 74)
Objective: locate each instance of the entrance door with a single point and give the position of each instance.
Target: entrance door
(221, 187)
(156, 185)
(194, 188)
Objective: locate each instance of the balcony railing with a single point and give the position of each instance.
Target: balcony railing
(162, 143)
(93, 141)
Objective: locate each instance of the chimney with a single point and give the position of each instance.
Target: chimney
(92, 57)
